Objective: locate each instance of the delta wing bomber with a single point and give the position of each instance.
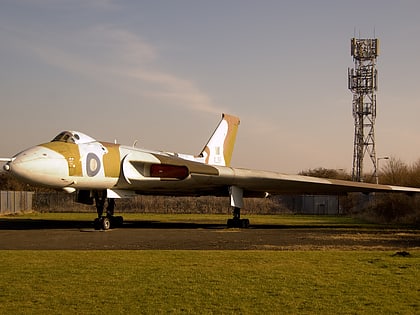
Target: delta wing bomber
(100, 172)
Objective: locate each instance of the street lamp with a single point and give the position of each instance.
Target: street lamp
(377, 166)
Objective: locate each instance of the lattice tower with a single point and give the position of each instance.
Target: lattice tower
(362, 81)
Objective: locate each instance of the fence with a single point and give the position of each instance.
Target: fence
(62, 202)
(12, 202)
(20, 201)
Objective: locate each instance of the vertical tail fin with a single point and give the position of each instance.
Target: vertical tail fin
(219, 148)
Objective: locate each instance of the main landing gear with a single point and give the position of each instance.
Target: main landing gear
(236, 201)
(109, 220)
(237, 222)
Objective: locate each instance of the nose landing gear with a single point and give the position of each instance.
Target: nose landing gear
(108, 221)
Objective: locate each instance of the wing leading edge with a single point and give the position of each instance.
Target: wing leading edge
(278, 183)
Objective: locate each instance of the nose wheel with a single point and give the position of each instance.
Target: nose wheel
(108, 222)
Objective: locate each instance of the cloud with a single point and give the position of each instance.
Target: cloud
(116, 57)
(88, 4)
(172, 89)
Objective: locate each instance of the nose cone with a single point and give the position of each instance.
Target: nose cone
(40, 166)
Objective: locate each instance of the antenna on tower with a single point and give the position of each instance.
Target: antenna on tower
(362, 81)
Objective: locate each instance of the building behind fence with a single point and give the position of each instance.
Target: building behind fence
(312, 204)
(12, 202)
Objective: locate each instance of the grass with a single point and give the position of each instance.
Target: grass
(209, 282)
(206, 282)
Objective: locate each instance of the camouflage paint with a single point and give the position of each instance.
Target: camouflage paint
(71, 153)
(233, 125)
(112, 160)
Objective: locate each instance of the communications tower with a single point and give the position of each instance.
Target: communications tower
(362, 81)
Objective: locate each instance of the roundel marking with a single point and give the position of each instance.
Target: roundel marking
(93, 164)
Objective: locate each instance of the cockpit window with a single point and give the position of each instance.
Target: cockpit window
(72, 137)
(66, 136)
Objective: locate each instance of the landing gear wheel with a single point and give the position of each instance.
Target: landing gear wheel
(106, 223)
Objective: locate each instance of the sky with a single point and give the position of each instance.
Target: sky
(162, 72)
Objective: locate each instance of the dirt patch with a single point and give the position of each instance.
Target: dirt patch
(80, 235)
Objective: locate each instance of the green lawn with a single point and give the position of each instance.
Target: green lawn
(209, 282)
(206, 282)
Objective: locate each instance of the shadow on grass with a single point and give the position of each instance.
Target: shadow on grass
(49, 224)
(46, 224)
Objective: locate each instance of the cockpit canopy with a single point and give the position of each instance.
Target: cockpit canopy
(72, 137)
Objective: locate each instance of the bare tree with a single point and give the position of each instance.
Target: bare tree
(395, 172)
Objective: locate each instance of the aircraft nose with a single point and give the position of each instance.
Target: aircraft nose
(39, 165)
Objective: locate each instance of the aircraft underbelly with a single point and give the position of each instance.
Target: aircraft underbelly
(93, 182)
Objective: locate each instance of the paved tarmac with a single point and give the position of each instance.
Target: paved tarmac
(19, 234)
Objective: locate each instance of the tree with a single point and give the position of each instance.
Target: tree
(7, 182)
(395, 172)
(414, 176)
(326, 173)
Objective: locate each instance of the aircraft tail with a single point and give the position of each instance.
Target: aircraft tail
(219, 148)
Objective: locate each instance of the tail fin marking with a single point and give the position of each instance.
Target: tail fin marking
(219, 148)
